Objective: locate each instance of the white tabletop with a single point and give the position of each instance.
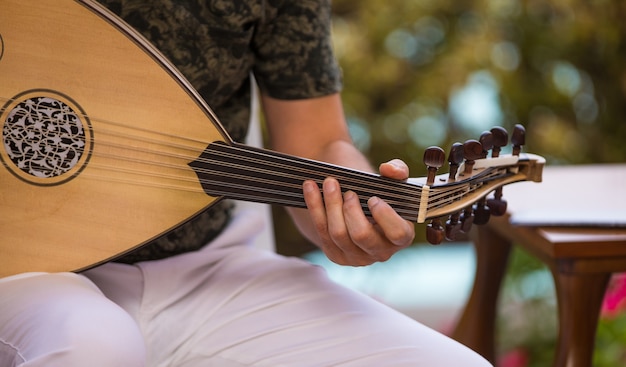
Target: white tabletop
(576, 195)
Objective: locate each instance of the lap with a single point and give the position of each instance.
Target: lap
(233, 305)
(265, 310)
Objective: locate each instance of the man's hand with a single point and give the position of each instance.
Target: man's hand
(347, 236)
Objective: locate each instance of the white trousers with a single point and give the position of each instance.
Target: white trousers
(228, 304)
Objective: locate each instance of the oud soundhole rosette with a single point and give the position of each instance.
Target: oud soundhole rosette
(46, 137)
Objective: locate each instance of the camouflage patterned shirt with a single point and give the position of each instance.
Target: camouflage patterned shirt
(217, 45)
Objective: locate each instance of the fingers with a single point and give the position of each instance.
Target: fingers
(317, 213)
(340, 241)
(347, 236)
(333, 202)
(397, 230)
(364, 234)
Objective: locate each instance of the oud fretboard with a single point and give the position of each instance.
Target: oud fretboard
(246, 173)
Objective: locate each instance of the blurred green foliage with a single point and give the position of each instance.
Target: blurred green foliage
(611, 341)
(527, 319)
(425, 72)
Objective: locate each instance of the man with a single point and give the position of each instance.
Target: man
(200, 296)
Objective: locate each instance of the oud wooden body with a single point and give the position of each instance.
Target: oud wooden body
(67, 50)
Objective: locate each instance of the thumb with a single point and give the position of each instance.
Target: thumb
(395, 168)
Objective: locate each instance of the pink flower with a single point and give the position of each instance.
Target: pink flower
(615, 296)
(514, 358)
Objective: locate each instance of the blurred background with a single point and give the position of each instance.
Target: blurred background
(433, 72)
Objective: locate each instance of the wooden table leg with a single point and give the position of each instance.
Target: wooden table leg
(476, 326)
(579, 298)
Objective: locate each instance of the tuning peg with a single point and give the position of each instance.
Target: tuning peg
(518, 138)
(481, 213)
(434, 158)
(500, 139)
(434, 232)
(497, 206)
(472, 150)
(486, 141)
(467, 219)
(453, 226)
(455, 158)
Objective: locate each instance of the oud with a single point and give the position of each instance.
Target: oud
(105, 146)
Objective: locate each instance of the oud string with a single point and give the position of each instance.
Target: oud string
(395, 195)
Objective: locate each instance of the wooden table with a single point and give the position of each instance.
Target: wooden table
(575, 222)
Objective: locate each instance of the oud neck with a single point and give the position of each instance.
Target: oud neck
(247, 173)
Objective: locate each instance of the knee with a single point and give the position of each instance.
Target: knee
(64, 320)
(99, 335)
(110, 342)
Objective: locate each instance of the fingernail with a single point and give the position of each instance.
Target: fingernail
(373, 201)
(350, 195)
(309, 186)
(395, 163)
(330, 185)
